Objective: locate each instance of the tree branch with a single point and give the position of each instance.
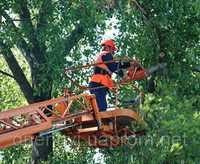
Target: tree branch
(156, 28)
(22, 45)
(7, 74)
(37, 51)
(74, 37)
(43, 13)
(141, 9)
(17, 72)
(196, 68)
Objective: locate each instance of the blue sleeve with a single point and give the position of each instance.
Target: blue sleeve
(115, 66)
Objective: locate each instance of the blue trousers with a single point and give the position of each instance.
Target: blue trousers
(100, 94)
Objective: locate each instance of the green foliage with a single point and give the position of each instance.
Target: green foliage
(10, 94)
(172, 112)
(12, 97)
(69, 151)
(173, 130)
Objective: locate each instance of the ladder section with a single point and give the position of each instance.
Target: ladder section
(76, 116)
(22, 124)
(25, 123)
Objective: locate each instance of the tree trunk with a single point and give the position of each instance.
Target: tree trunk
(42, 148)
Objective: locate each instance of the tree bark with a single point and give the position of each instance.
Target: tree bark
(42, 148)
(17, 73)
(7, 74)
(151, 84)
(34, 51)
(196, 68)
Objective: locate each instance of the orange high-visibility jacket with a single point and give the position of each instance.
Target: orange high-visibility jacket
(104, 79)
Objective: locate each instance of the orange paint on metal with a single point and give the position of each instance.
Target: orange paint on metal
(23, 124)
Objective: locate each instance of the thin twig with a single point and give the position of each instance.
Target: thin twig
(140, 8)
(7, 74)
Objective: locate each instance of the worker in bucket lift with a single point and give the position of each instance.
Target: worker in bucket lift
(101, 81)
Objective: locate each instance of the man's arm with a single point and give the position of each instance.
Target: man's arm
(114, 66)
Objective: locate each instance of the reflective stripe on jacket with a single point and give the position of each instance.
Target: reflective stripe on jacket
(104, 79)
(100, 62)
